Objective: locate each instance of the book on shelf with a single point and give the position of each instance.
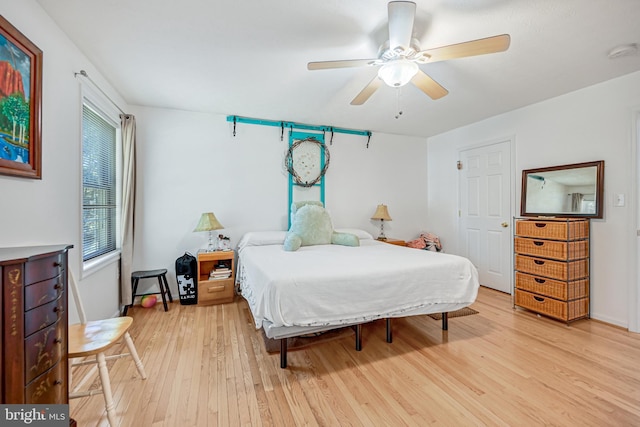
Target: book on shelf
(220, 274)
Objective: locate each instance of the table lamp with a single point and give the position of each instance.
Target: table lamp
(209, 222)
(382, 214)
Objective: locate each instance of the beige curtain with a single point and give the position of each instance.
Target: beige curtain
(576, 202)
(128, 126)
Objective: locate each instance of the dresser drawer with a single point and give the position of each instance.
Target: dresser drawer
(215, 291)
(554, 230)
(566, 311)
(43, 316)
(568, 270)
(42, 292)
(553, 288)
(43, 268)
(50, 387)
(552, 248)
(44, 349)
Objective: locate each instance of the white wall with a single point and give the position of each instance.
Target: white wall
(47, 211)
(590, 124)
(190, 163)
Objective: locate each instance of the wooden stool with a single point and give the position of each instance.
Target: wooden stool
(162, 282)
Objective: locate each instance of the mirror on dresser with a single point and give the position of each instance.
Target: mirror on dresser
(574, 190)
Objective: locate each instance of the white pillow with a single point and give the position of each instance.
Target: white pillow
(261, 238)
(358, 232)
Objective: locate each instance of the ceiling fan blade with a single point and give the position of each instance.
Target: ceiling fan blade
(471, 48)
(428, 85)
(401, 17)
(323, 65)
(368, 90)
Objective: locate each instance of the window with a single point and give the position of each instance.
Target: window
(100, 209)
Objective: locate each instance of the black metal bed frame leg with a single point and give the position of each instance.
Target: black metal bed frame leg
(389, 337)
(283, 353)
(358, 337)
(445, 321)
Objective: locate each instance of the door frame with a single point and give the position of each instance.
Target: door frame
(512, 188)
(633, 321)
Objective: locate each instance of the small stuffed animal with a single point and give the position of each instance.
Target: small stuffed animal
(427, 241)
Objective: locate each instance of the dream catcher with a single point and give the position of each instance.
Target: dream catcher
(307, 161)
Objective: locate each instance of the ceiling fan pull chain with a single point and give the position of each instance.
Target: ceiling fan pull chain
(398, 103)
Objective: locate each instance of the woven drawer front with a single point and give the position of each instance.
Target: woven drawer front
(553, 288)
(552, 248)
(551, 307)
(555, 230)
(569, 270)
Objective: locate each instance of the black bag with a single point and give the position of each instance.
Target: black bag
(187, 277)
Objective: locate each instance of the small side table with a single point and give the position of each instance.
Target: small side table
(396, 242)
(216, 277)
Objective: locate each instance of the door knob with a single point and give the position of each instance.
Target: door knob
(505, 224)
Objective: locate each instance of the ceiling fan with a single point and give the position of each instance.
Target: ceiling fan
(400, 56)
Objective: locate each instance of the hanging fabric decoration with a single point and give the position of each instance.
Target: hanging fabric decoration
(301, 166)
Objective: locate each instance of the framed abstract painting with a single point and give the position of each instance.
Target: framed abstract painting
(20, 104)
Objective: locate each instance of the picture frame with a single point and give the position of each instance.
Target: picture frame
(20, 104)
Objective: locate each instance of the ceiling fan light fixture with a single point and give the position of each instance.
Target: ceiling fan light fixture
(398, 73)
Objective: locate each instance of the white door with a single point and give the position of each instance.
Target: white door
(485, 214)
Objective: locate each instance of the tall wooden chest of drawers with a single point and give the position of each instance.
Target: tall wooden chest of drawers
(552, 267)
(33, 358)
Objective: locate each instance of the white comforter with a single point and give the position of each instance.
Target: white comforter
(333, 285)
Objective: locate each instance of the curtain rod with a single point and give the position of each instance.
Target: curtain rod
(83, 73)
(293, 125)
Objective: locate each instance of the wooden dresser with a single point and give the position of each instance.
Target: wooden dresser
(33, 358)
(552, 267)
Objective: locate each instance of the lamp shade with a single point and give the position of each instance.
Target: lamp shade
(398, 73)
(381, 213)
(208, 222)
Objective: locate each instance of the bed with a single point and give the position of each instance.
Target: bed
(323, 287)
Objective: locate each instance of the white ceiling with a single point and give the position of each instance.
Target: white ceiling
(249, 58)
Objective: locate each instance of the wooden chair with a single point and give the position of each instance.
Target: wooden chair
(93, 338)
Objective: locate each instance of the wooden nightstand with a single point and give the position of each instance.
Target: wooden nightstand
(216, 277)
(396, 242)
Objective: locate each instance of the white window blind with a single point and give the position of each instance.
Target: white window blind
(99, 192)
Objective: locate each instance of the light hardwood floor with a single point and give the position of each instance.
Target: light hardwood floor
(502, 367)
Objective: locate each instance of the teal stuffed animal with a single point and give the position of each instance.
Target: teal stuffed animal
(311, 225)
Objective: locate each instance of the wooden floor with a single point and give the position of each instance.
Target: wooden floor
(502, 367)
